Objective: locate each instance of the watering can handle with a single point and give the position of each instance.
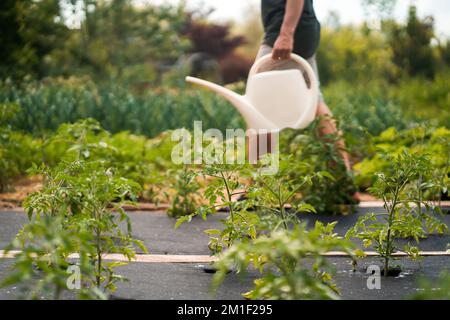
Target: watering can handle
(302, 62)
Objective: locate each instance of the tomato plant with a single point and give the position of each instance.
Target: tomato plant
(277, 197)
(400, 219)
(40, 270)
(224, 185)
(291, 263)
(87, 198)
(186, 199)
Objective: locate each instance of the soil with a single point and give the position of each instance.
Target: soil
(21, 188)
(24, 186)
(393, 272)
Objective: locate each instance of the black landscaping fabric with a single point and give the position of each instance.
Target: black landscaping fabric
(188, 281)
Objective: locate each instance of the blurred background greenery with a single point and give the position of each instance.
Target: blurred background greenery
(124, 64)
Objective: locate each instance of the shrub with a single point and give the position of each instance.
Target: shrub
(424, 100)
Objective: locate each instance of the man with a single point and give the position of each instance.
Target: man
(292, 26)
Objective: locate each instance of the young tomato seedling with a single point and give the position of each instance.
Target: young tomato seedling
(224, 186)
(88, 198)
(277, 197)
(400, 219)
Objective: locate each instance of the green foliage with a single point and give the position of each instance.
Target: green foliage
(277, 197)
(424, 99)
(267, 203)
(401, 220)
(223, 186)
(31, 31)
(291, 262)
(393, 51)
(41, 268)
(120, 41)
(371, 108)
(135, 157)
(84, 139)
(186, 199)
(364, 109)
(434, 142)
(438, 289)
(115, 39)
(379, 78)
(411, 46)
(17, 150)
(351, 54)
(321, 154)
(44, 107)
(87, 140)
(363, 112)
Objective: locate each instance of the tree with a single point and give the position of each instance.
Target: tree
(31, 30)
(216, 43)
(444, 52)
(349, 53)
(119, 40)
(411, 45)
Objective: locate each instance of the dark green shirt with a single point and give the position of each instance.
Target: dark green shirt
(307, 34)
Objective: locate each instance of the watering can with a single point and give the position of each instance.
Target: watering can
(276, 99)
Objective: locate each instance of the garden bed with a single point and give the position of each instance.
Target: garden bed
(161, 278)
(168, 281)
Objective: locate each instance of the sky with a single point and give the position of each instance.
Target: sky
(350, 11)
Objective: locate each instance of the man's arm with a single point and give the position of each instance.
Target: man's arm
(284, 44)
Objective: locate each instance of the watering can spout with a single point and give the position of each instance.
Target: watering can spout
(231, 96)
(252, 117)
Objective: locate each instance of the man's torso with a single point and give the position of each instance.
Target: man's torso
(307, 35)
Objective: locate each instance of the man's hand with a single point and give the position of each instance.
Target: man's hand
(283, 47)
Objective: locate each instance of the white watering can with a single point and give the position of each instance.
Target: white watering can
(274, 100)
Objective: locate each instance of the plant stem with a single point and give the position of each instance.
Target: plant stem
(227, 187)
(445, 173)
(98, 249)
(99, 260)
(57, 293)
(420, 195)
(388, 237)
(282, 210)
